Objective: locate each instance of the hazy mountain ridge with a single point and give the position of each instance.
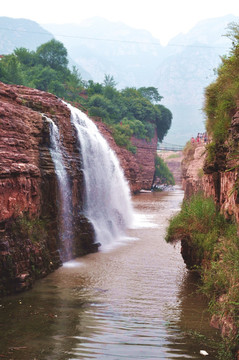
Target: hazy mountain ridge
(21, 33)
(183, 77)
(130, 54)
(207, 32)
(16, 33)
(181, 70)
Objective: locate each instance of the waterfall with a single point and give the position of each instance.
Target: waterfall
(64, 202)
(107, 195)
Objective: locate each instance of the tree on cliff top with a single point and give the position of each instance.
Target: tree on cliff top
(151, 93)
(134, 110)
(53, 54)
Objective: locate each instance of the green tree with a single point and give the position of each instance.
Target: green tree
(74, 84)
(98, 105)
(53, 54)
(44, 76)
(221, 96)
(162, 172)
(163, 121)
(57, 88)
(109, 81)
(138, 107)
(25, 57)
(94, 88)
(151, 93)
(11, 70)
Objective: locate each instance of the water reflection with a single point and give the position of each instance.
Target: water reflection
(133, 302)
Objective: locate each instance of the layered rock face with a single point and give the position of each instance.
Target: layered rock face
(30, 243)
(215, 176)
(218, 177)
(29, 219)
(192, 169)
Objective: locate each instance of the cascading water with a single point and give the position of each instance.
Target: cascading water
(64, 204)
(107, 204)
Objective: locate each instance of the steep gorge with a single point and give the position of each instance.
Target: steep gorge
(215, 174)
(29, 240)
(218, 176)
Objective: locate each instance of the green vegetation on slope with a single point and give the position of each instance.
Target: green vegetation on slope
(221, 95)
(215, 246)
(201, 224)
(128, 112)
(162, 172)
(210, 243)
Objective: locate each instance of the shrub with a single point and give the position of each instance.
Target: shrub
(162, 172)
(200, 223)
(122, 134)
(221, 96)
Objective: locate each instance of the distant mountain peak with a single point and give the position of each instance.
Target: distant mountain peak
(21, 32)
(202, 32)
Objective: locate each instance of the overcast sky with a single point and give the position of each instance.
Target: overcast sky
(163, 18)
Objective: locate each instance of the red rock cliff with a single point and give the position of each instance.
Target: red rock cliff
(218, 177)
(29, 247)
(29, 219)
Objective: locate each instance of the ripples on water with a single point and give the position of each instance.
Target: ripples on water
(133, 301)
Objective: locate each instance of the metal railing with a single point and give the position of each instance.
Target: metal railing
(169, 147)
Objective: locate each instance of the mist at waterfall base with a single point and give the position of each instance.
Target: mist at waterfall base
(107, 202)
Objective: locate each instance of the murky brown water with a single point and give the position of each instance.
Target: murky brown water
(134, 301)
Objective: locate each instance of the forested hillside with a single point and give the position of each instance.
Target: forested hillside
(128, 112)
(180, 71)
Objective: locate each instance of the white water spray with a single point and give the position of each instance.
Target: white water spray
(64, 205)
(108, 204)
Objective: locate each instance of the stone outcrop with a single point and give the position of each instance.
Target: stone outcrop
(217, 177)
(192, 169)
(30, 245)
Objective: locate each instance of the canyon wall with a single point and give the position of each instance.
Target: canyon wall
(216, 175)
(213, 170)
(30, 245)
(29, 223)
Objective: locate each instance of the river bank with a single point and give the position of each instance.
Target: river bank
(135, 300)
(208, 229)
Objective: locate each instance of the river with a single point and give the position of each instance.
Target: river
(135, 300)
